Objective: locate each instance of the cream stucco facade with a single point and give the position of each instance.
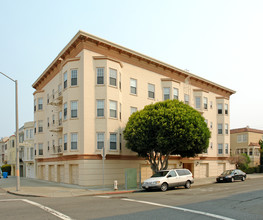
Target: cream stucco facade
(85, 97)
(246, 141)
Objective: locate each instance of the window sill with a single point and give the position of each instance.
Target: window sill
(76, 86)
(115, 87)
(152, 99)
(113, 118)
(74, 118)
(100, 85)
(100, 117)
(134, 94)
(74, 150)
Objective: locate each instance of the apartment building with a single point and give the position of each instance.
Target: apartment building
(246, 141)
(11, 153)
(26, 150)
(84, 98)
(3, 148)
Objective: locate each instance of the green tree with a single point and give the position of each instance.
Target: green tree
(165, 128)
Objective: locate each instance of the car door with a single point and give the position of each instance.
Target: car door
(172, 178)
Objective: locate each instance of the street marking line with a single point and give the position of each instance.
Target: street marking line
(181, 209)
(49, 210)
(45, 208)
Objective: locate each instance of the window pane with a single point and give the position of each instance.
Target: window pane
(74, 141)
(74, 109)
(205, 103)
(74, 77)
(219, 108)
(113, 77)
(198, 102)
(133, 86)
(113, 141)
(186, 99)
(100, 75)
(166, 93)
(151, 91)
(100, 140)
(113, 109)
(176, 93)
(100, 108)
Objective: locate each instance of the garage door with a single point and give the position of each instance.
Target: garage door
(146, 172)
(30, 171)
(61, 173)
(41, 172)
(51, 174)
(220, 168)
(203, 170)
(74, 174)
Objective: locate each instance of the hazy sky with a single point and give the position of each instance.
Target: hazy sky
(220, 40)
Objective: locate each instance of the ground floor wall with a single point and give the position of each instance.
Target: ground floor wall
(92, 173)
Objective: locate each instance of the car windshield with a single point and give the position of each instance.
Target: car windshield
(227, 172)
(159, 174)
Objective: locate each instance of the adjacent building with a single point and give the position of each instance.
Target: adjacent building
(3, 148)
(246, 141)
(84, 98)
(26, 150)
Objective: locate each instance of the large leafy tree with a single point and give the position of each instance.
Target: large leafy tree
(165, 128)
(261, 151)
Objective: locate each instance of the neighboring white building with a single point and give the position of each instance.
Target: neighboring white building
(3, 148)
(84, 98)
(26, 150)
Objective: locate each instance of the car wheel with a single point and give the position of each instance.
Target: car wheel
(187, 184)
(243, 178)
(232, 179)
(164, 187)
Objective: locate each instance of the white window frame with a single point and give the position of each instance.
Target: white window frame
(100, 75)
(113, 109)
(133, 109)
(176, 93)
(197, 102)
(74, 109)
(111, 141)
(166, 93)
(219, 128)
(220, 149)
(74, 140)
(113, 77)
(219, 108)
(205, 103)
(151, 91)
(40, 103)
(74, 77)
(65, 80)
(133, 86)
(100, 140)
(100, 107)
(186, 99)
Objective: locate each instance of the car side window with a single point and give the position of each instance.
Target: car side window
(172, 173)
(180, 172)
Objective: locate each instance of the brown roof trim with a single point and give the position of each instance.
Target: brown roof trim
(254, 144)
(246, 129)
(77, 44)
(200, 90)
(107, 58)
(38, 91)
(222, 98)
(170, 79)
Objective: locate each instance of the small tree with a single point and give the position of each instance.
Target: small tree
(165, 128)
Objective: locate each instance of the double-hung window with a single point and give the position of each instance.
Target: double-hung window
(226, 109)
(74, 109)
(65, 142)
(226, 128)
(47, 98)
(219, 108)
(65, 80)
(175, 93)
(220, 148)
(113, 141)
(100, 108)
(186, 99)
(113, 109)
(133, 86)
(74, 77)
(133, 109)
(65, 110)
(100, 76)
(166, 93)
(205, 103)
(40, 104)
(35, 105)
(40, 126)
(113, 77)
(35, 127)
(197, 102)
(220, 128)
(40, 149)
(74, 141)
(100, 141)
(151, 91)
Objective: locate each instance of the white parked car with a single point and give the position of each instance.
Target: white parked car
(165, 179)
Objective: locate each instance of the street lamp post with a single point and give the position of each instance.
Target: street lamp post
(17, 146)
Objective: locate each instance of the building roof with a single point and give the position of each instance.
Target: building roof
(246, 129)
(82, 37)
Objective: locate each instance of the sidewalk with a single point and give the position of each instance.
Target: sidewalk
(42, 188)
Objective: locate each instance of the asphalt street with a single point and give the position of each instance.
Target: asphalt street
(239, 200)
